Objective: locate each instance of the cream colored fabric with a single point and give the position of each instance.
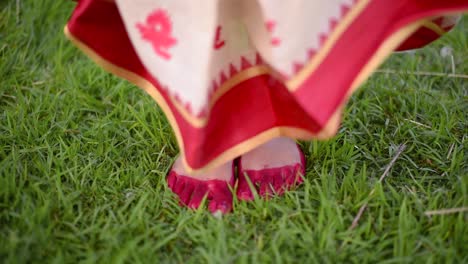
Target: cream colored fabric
(207, 41)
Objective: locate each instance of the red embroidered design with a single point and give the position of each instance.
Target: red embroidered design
(270, 25)
(157, 31)
(218, 42)
(297, 66)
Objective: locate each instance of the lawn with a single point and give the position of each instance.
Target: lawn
(83, 159)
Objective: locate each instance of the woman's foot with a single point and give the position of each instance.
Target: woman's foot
(272, 168)
(215, 185)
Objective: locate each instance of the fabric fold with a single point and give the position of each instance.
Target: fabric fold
(231, 75)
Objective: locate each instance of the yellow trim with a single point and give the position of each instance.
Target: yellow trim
(292, 84)
(295, 82)
(226, 86)
(227, 155)
(434, 27)
(384, 50)
(238, 78)
(330, 128)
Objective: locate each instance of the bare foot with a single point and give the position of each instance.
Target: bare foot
(272, 168)
(214, 184)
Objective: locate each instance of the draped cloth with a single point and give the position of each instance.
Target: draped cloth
(232, 74)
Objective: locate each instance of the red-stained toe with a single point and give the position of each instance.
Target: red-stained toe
(270, 181)
(192, 191)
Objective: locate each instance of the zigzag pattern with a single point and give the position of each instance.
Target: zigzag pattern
(224, 75)
(298, 66)
(231, 70)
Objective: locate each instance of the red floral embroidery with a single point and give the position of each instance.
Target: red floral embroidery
(158, 31)
(270, 25)
(218, 42)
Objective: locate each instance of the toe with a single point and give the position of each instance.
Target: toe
(244, 193)
(269, 182)
(221, 197)
(294, 176)
(171, 180)
(279, 184)
(191, 192)
(197, 196)
(179, 185)
(186, 194)
(289, 175)
(223, 206)
(266, 185)
(274, 167)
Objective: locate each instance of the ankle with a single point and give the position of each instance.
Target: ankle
(223, 172)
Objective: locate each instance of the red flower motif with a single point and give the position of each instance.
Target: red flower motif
(158, 31)
(218, 42)
(270, 25)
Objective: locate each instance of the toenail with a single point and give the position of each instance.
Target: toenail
(218, 214)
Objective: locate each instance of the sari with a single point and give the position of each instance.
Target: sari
(231, 75)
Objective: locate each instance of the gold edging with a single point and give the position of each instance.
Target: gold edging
(200, 122)
(329, 130)
(238, 78)
(148, 87)
(384, 50)
(434, 27)
(225, 87)
(294, 83)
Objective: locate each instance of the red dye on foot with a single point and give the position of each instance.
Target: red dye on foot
(192, 191)
(270, 181)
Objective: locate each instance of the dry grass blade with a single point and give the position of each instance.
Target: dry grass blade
(450, 150)
(422, 73)
(446, 211)
(400, 149)
(417, 123)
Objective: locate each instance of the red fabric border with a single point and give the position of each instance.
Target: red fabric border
(261, 103)
(325, 89)
(236, 116)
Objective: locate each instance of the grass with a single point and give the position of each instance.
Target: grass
(83, 157)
